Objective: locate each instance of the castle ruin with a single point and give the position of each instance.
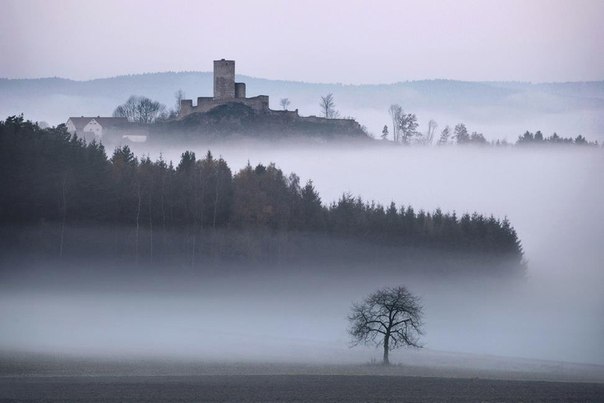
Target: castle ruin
(226, 90)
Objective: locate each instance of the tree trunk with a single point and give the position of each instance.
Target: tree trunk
(64, 215)
(150, 226)
(386, 350)
(138, 214)
(215, 203)
(194, 246)
(163, 214)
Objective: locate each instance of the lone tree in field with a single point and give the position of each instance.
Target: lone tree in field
(390, 317)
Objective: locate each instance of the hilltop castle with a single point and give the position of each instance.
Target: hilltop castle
(228, 112)
(226, 90)
(230, 101)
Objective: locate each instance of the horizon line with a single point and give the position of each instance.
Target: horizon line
(303, 82)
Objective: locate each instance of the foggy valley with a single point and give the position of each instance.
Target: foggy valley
(267, 316)
(301, 201)
(500, 110)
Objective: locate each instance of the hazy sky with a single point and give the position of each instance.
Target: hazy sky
(320, 41)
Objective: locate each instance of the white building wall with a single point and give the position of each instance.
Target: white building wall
(95, 128)
(70, 127)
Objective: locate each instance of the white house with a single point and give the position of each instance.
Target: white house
(94, 128)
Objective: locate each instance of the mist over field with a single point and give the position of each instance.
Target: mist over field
(301, 201)
(552, 196)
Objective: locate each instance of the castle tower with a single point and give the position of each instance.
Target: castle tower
(239, 90)
(224, 79)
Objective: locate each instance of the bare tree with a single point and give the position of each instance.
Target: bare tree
(284, 103)
(127, 109)
(391, 318)
(63, 212)
(140, 109)
(395, 113)
(138, 215)
(427, 138)
(432, 126)
(179, 96)
(149, 110)
(328, 106)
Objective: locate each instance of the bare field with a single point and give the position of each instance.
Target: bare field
(291, 388)
(457, 378)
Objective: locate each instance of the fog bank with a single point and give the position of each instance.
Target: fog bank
(553, 197)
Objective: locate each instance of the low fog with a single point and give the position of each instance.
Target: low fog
(552, 196)
(499, 110)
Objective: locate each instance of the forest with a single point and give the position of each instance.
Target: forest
(59, 179)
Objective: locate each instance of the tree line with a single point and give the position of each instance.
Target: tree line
(404, 130)
(404, 127)
(52, 176)
(140, 109)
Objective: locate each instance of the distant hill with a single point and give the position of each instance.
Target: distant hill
(498, 109)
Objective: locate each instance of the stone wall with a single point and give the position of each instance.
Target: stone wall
(205, 104)
(239, 90)
(334, 122)
(186, 106)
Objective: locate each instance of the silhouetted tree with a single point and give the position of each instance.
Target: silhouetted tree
(407, 127)
(284, 103)
(526, 138)
(477, 138)
(178, 96)
(139, 109)
(444, 136)
(395, 112)
(529, 138)
(261, 198)
(461, 135)
(312, 209)
(429, 137)
(385, 132)
(391, 318)
(328, 106)
(580, 140)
